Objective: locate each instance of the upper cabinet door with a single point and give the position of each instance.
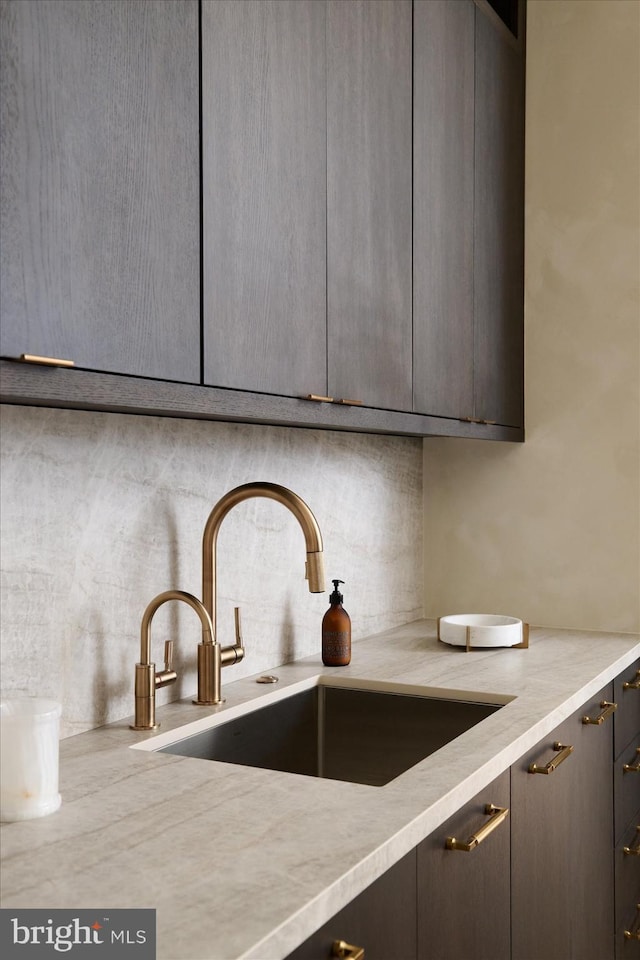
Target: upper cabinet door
(499, 223)
(264, 183)
(369, 135)
(100, 184)
(443, 146)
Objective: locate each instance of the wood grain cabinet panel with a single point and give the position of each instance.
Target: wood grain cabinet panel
(561, 845)
(498, 243)
(627, 812)
(626, 785)
(264, 186)
(100, 184)
(627, 879)
(443, 158)
(468, 229)
(464, 896)
(626, 720)
(369, 201)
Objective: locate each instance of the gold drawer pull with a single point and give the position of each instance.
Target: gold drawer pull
(346, 951)
(633, 851)
(632, 767)
(343, 402)
(634, 933)
(45, 361)
(563, 753)
(607, 709)
(497, 815)
(632, 684)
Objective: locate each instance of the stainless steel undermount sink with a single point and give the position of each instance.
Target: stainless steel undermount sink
(351, 730)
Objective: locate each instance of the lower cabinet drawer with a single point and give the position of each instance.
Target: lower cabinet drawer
(626, 787)
(381, 920)
(626, 720)
(627, 874)
(628, 936)
(464, 894)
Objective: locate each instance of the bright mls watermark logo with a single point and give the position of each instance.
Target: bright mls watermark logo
(78, 934)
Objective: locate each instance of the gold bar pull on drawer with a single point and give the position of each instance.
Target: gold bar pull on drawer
(632, 767)
(346, 951)
(632, 684)
(563, 752)
(635, 850)
(497, 814)
(607, 709)
(45, 361)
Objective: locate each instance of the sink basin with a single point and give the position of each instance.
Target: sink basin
(360, 732)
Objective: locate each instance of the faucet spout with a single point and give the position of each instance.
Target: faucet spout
(314, 567)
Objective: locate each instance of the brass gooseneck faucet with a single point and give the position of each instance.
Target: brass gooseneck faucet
(211, 655)
(210, 663)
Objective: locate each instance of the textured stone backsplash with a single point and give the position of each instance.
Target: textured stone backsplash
(101, 512)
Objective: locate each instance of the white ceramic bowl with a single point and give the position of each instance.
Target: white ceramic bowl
(485, 630)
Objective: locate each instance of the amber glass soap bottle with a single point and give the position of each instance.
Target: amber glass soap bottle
(336, 632)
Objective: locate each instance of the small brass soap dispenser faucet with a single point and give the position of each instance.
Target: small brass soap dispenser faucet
(147, 679)
(211, 655)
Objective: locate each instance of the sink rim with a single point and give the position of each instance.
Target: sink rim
(224, 713)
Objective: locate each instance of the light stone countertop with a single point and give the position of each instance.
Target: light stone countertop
(246, 863)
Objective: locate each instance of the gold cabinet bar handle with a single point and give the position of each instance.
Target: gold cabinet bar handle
(633, 851)
(349, 403)
(318, 398)
(563, 752)
(632, 767)
(346, 951)
(632, 684)
(607, 709)
(497, 814)
(45, 361)
(634, 933)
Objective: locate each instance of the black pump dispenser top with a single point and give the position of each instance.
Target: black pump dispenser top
(336, 596)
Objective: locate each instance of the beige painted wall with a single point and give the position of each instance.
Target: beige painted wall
(549, 531)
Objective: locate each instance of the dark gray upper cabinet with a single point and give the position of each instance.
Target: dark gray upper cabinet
(264, 185)
(100, 184)
(369, 122)
(468, 214)
(443, 99)
(341, 179)
(499, 224)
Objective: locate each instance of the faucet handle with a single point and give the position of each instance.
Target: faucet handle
(168, 655)
(235, 652)
(168, 675)
(238, 620)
